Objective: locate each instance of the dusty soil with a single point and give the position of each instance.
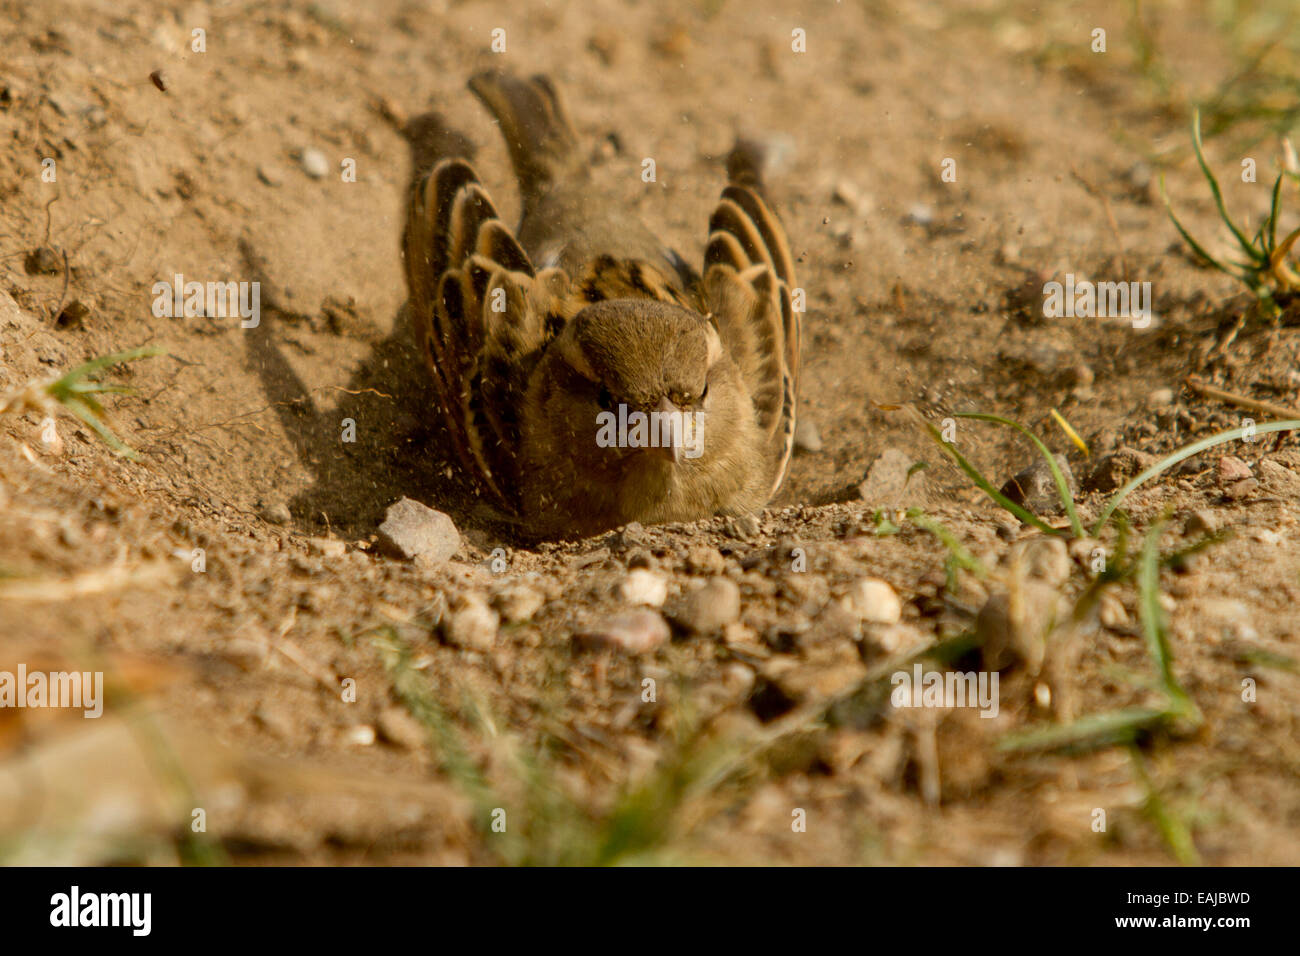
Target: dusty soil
(307, 693)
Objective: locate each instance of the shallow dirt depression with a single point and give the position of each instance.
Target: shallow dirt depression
(281, 686)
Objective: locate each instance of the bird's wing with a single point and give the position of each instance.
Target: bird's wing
(606, 277)
(748, 275)
(482, 314)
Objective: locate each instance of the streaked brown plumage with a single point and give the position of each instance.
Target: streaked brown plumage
(529, 339)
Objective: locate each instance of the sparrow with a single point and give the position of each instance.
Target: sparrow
(549, 343)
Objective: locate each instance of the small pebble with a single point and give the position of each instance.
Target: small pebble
(1035, 486)
(276, 512)
(874, 601)
(639, 558)
(893, 638)
(43, 261)
(1042, 558)
(847, 193)
(1278, 478)
(396, 726)
(890, 481)
(314, 163)
(1114, 469)
(327, 547)
(1042, 695)
(278, 718)
(632, 632)
(739, 678)
(705, 560)
(1139, 175)
(1238, 490)
(1232, 469)
(360, 735)
(269, 175)
(1013, 630)
(631, 535)
(1160, 397)
(643, 587)
(1111, 613)
(806, 436)
(920, 213)
(1201, 521)
(417, 533)
(472, 624)
(517, 602)
(710, 608)
(743, 527)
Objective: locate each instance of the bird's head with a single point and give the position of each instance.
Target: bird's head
(642, 384)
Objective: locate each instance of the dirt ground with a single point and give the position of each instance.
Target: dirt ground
(281, 691)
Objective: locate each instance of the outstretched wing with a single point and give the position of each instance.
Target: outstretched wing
(748, 275)
(481, 314)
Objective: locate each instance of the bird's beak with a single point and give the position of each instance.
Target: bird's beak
(672, 451)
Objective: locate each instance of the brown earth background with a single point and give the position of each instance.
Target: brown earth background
(311, 696)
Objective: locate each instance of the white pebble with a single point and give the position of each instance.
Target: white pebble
(644, 587)
(314, 163)
(873, 600)
(633, 632)
(473, 624)
(362, 735)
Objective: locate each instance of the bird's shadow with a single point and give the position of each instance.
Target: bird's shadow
(382, 442)
(398, 446)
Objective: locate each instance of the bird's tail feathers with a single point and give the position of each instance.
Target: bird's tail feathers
(542, 141)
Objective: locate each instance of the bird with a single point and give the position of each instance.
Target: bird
(553, 344)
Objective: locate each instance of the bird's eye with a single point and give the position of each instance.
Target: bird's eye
(605, 399)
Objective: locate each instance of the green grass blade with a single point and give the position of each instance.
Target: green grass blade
(77, 395)
(1089, 733)
(1265, 658)
(883, 525)
(984, 486)
(1150, 614)
(1152, 618)
(1122, 533)
(960, 555)
(1274, 209)
(88, 414)
(99, 388)
(1172, 829)
(1250, 250)
(1062, 487)
(1241, 276)
(1188, 451)
(415, 694)
(64, 384)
